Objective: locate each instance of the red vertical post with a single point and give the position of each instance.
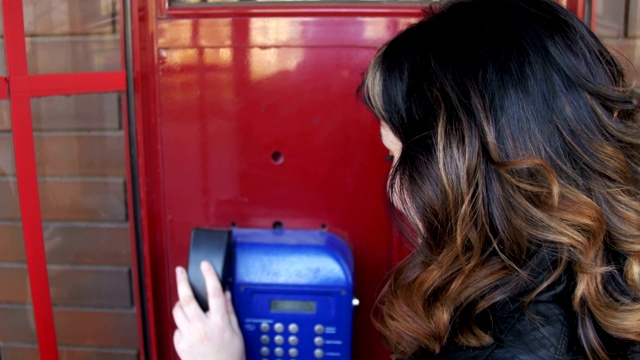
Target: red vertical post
(27, 177)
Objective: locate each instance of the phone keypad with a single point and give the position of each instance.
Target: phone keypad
(278, 339)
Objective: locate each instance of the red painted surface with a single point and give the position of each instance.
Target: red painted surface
(218, 91)
(67, 84)
(219, 94)
(27, 178)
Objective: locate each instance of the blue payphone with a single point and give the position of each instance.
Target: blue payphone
(292, 290)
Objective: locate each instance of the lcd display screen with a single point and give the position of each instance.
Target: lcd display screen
(293, 306)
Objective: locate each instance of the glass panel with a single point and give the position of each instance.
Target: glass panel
(610, 16)
(80, 153)
(17, 328)
(65, 36)
(634, 19)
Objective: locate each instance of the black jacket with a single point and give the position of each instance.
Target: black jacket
(545, 331)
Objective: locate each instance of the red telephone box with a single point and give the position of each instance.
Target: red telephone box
(232, 114)
(248, 117)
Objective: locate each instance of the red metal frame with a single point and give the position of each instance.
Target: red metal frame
(20, 87)
(27, 177)
(137, 296)
(147, 67)
(287, 10)
(146, 101)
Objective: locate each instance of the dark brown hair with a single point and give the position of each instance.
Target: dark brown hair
(520, 165)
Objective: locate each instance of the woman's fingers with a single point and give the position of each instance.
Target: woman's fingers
(185, 295)
(177, 337)
(180, 318)
(233, 320)
(217, 306)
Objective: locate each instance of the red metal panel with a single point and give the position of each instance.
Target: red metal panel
(28, 183)
(219, 96)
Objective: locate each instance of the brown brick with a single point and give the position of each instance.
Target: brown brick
(5, 110)
(9, 352)
(11, 243)
(80, 155)
(14, 283)
(7, 163)
(74, 327)
(71, 155)
(74, 54)
(9, 209)
(71, 286)
(99, 200)
(66, 17)
(70, 200)
(77, 112)
(97, 328)
(17, 324)
(76, 244)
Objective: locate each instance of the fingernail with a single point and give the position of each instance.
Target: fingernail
(180, 270)
(228, 295)
(205, 265)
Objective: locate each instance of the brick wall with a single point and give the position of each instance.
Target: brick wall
(80, 154)
(624, 41)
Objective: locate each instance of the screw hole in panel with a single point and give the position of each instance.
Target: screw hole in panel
(277, 157)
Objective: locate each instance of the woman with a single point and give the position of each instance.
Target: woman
(516, 145)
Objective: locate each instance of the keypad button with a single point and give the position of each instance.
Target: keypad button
(319, 329)
(264, 327)
(293, 352)
(293, 340)
(293, 328)
(264, 351)
(318, 341)
(264, 339)
(318, 353)
(278, 327)
(278, 352)
(278, 339)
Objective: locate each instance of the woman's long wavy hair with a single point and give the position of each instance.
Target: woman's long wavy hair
(520, 162)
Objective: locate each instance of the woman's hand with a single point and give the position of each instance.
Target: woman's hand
(211, 336)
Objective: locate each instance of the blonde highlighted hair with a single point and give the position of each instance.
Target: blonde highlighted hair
(520, 166)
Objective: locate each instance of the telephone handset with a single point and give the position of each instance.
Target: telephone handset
(214, 246)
